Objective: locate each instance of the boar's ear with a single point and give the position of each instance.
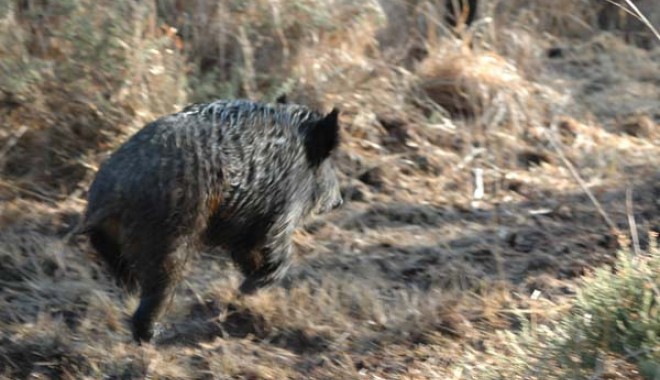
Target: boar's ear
(281, 99)
(322, 137)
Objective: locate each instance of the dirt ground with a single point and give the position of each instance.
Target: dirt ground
(416, 276)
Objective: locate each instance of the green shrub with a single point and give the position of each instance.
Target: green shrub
(615, 316)
(618, 311)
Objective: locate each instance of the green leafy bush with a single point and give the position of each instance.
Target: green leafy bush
(617, 310)
(613, 322)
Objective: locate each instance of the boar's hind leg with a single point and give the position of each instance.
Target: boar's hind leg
(106, 242)
(156, 281)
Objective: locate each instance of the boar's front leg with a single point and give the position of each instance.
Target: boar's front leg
(267, 264)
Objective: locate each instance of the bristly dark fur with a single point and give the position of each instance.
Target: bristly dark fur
(237, 174)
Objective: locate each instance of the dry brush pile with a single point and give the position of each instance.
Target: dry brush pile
(484, 169)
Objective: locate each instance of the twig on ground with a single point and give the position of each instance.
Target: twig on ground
(631, 222)
(38, 195)
(11, 142)
(578, 179)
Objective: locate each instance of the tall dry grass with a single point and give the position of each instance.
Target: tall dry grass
(420, 275)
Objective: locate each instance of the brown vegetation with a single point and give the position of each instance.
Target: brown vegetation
(485, 172)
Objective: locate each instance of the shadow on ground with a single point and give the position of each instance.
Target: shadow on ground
(540, 245)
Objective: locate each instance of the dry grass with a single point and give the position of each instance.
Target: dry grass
(418, 275)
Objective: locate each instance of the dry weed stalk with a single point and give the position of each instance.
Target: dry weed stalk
(638, 14)
(556, 145)
(631, 222)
